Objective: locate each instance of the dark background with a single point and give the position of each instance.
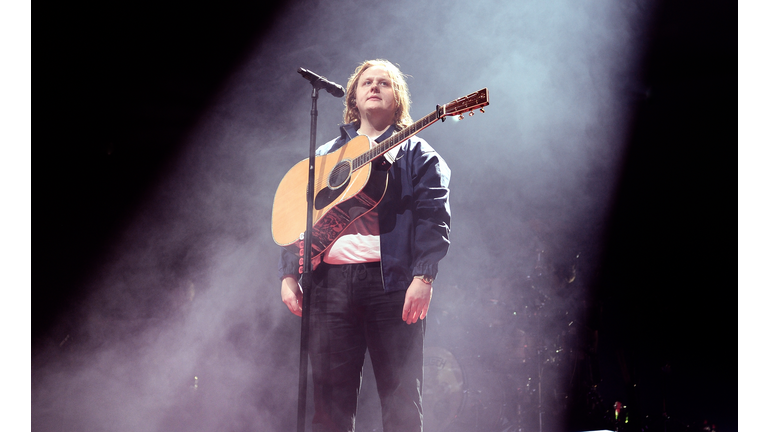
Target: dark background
(671, 249)
(116, 95)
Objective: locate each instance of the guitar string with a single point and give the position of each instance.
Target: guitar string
(381, 148)
(459, 106)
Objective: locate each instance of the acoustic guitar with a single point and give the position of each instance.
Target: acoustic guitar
(348, 182)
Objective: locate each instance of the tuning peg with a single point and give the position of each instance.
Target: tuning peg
(461, 116)
(482, 110)
(471, 113)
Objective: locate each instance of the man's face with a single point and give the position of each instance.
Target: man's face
(374, 94)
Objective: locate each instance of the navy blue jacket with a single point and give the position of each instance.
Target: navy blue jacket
(414, 214)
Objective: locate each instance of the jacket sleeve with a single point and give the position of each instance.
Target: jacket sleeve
(430, 176)
(288, 265)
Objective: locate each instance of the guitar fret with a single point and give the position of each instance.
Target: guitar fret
(393, 140)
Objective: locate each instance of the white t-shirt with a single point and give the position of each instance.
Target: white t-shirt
(359, 243)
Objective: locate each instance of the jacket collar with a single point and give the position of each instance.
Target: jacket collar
(348, 132)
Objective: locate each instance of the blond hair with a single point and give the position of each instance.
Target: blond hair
(402, 95)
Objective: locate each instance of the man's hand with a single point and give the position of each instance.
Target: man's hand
(417, 300)
(292, 294)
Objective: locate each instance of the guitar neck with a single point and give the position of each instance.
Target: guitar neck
(397, 138)
(472, 101)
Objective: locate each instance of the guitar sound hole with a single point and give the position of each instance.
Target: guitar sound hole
(339, 175)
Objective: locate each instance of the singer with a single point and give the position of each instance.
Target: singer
(373, 285)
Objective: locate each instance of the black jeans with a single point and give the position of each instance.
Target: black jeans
(351, 313)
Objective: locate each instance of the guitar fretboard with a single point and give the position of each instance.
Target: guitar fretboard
(396, 138)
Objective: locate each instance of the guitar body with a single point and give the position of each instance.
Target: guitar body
(341, 196)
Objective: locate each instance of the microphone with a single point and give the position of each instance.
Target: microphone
(322, 83)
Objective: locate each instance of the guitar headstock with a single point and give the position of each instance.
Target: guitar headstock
(468, 103)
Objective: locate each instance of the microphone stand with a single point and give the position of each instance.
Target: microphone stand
(306, 262)
(305, 240)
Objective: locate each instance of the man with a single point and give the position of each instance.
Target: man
(373, 286)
